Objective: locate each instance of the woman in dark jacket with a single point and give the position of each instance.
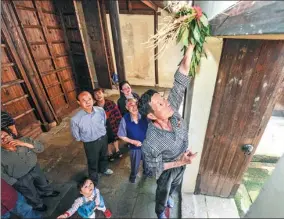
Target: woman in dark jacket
(125, 93)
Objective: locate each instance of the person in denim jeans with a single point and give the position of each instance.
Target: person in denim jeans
(13, 202)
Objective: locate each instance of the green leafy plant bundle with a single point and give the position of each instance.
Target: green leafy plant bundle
(188, 25)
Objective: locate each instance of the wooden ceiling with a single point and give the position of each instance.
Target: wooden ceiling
(138, 6)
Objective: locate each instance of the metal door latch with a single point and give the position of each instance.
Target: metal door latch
(247, 149)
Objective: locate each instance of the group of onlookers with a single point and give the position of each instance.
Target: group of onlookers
(23, 184)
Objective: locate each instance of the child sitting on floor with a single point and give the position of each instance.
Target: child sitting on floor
(90, 201)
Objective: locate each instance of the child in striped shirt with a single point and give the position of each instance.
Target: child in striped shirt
(90, 200)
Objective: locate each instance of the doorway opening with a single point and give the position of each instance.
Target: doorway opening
(268, 152)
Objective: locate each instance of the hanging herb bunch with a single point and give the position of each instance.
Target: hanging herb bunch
(187, 25)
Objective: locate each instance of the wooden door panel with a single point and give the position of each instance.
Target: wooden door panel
(247, 86)
(45, 39)
(15, 97)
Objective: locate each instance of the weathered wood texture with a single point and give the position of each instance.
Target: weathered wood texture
(137, 7)
(96, 27)
(17, 97)
(116, 36)
(11, 29)
(249, 18)
(247, 87)
(45, 39)
(75, 44)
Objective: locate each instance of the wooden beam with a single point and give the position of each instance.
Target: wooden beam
(11, 83)
(106, 37)
(116, 36)
(86, 43)
(150, 4)
(138, 12)
(156, 51)
(129, 5)
(15, 100)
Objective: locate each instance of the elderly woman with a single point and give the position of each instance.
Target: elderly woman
(113, 119)
(20, 169)
(125, 93)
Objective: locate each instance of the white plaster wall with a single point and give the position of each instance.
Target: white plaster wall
(201, 104)
(138, 59)
(270, 201)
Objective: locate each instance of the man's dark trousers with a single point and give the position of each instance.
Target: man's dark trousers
(136, 156)
(166, 184)
(96, 153)
(33, 185)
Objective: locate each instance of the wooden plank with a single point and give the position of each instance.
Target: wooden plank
(49, 12)
(11, 83)
(62, 55)
(75, 42)
(117, 42)
(15, 100)
(59, 95)
(67, 44)
(57, 41)
(43, 59)
(72, 28)
(68, 13)
(32, 26)
(54, 71)
(5, 65)
(106, 37)
(53, 27)
(156, 51)
(137, 12)
(47, 37)
(78, 54)
(23, 114)
(52, 85)
(249, 18)
(150, 4)
(129, 5)
(25, 8)
(37, 43)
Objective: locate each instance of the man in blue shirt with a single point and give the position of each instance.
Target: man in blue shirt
(132, 129)
(89, 126)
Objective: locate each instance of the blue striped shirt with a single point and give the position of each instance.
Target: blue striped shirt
(87, 127)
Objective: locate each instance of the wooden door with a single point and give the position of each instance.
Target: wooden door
(247, 87)
(17, 97)
(95, 17)
(45, 39)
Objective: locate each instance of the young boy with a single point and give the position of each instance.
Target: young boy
(90, 201)
(132, 129)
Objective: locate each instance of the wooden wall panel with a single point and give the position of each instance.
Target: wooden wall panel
(95, 27)
(72, 35)
(248, 86)
(45, 38)
(15, 97)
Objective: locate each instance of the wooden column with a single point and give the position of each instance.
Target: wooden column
(156, 49)
(86, 42)
(96, 34)
(116, 36)
(19, 42)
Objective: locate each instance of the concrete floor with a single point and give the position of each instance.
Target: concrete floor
(271, 143)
